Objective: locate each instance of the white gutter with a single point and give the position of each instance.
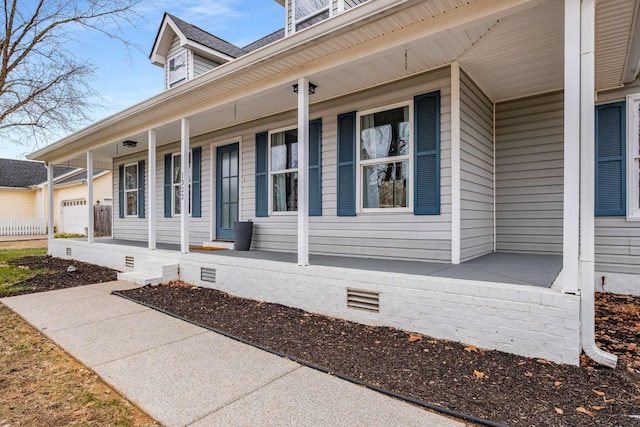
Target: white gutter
(587, 188)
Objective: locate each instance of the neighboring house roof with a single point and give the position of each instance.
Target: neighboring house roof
(82, 176)
(25, 173)
(275, 36)
(193, 33)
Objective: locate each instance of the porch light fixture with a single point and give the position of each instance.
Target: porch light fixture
(312, 88)
(129, 143)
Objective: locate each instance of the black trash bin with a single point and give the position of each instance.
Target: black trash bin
(242, 233)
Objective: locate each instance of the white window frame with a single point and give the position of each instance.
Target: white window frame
(395, 159)
(135, 190)
(278, 172)
(172, 83)
(187, 177)
(297, 21)
(633, 157)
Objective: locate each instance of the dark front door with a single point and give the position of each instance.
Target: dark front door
(227, 183)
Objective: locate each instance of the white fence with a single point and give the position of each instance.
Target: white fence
(15, 226)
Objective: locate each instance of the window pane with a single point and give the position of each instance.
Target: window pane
(234, 163)
(233, 214)
(313, 20)
(285, 192)
(176, 169)
(132, 203)
(225, 220)
(176, 200)
(131, 177)
(284, 150)
(385, 134)
(385, 185)
(308, 7)
(225, 190)
(226, 157)
(233, 196)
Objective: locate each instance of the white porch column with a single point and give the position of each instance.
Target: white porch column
(90, 224)
(303, 171)
(571, 197)
(185, 179)
(50, 200)
(151, 189)
(455, 163)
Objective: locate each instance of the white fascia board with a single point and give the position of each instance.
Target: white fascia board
(17, 188)
(159, 58)
(207, 51)
(330, 28)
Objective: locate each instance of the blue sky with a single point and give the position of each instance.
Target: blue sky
(124, 77)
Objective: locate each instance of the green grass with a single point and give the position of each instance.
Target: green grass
(10, 274)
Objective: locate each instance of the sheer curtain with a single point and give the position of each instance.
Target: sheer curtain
(279, 162)
(376, 142)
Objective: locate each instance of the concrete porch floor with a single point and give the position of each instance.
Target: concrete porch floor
(498, 267)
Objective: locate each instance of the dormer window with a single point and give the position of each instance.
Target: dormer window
(178, 68)
(309, 12)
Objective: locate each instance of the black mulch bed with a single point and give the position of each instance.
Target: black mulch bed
(57, 274)
(488, 384)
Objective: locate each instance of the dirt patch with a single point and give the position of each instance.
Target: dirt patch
(60, 274)
(24, 244)
(489, 384)
(40, 385)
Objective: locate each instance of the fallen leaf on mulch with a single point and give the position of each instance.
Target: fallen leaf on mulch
(543, 361)
(528, 374)
(414, 337)
(557, 384)
(597, 408)
(559, 411)
(598, 392)
(584, 411)
(479, 374)
(471, 348)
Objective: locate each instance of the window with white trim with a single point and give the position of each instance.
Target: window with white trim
(177, 68)
(633, 150)
(131, 189)
(309, 12)
(384, 159)
(176, 183)
(283, 170)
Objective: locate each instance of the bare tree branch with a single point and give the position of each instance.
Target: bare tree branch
(43, 86)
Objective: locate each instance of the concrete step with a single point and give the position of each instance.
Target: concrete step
(151, 272)
(141, 278)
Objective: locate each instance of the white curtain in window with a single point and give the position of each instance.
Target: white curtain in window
(279, 193)
(376, 142)
(278, 152)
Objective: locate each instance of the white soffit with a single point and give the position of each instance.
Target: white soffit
(522, 55)
(614, 22)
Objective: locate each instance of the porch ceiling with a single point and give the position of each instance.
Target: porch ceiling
(511, 48)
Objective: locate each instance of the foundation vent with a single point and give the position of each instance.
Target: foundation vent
(68, 252)
(129, 261)
(208, 275)
(363, 300)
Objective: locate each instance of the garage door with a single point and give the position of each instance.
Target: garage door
(74, 216)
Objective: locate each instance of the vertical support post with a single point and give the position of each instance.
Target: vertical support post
(587, 142)
(151, 188)
(185, 180)
(303, 171)
(90, 223)
(50, 200)
(571, 196)
(455, 164)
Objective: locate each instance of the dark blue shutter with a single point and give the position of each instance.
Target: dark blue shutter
(121, 210)
(196, 182)
(315, 167)
(262, 175)
(427, 154)
(346, 164)
(167, 186)
(610, 170)
(141, 174)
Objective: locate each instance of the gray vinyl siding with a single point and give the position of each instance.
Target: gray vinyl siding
(529, 174)
(167, 229)
(476, 174)
(395, 235)
(617, 240)
(201, 65)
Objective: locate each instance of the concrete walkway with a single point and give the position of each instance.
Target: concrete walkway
(184, 375)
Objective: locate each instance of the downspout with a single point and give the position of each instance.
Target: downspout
(587, 220)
